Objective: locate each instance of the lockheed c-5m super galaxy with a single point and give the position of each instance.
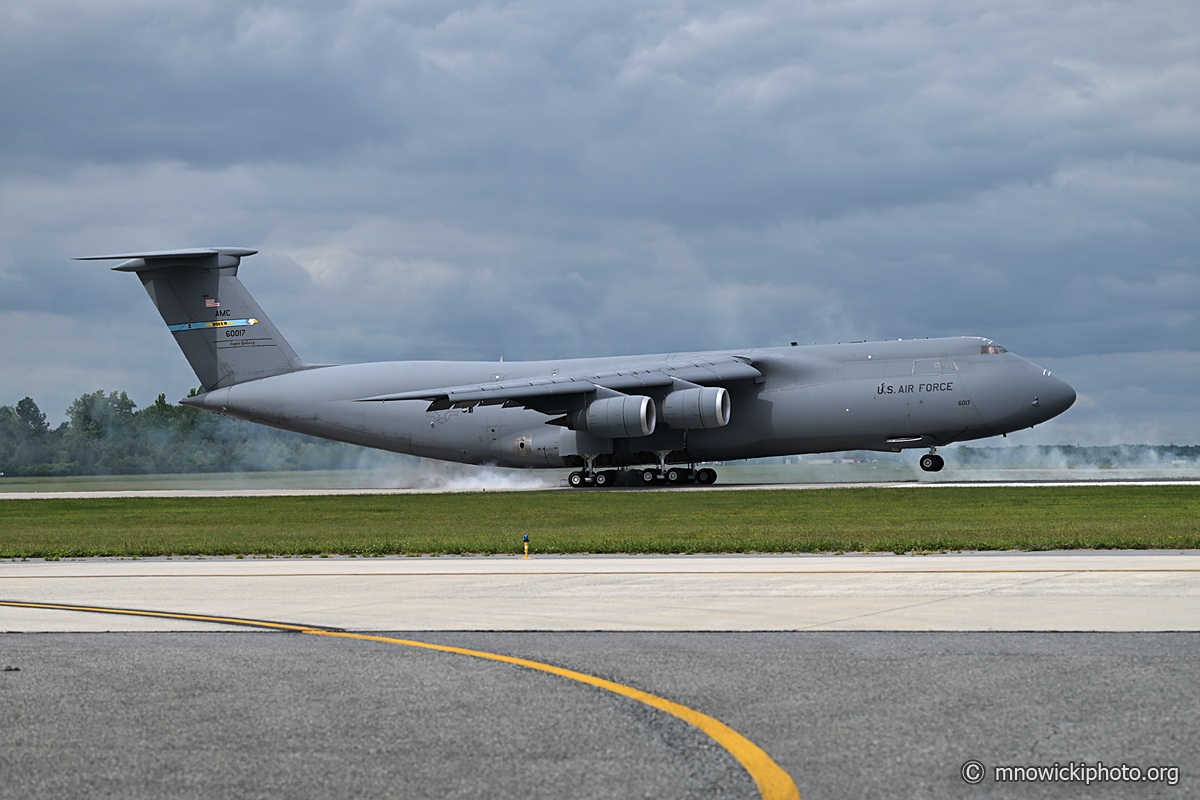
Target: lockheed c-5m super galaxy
(670, 411)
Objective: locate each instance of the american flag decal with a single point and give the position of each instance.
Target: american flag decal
(210, 303)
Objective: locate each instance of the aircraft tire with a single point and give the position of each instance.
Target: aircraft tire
(706, 476)
(676, 476)
(603, 480)
(929, 462)
(575, 480)
(938, 463)
(649, 476)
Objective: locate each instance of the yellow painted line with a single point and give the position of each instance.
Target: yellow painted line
(254, 623)
(772, 782)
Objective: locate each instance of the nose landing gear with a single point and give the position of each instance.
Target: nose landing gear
(932, 462)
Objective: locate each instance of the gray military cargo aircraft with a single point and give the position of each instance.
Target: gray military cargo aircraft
(670, 411)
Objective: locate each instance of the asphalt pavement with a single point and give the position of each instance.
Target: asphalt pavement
(851, 714)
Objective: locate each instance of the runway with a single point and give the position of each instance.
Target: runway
(506, 486)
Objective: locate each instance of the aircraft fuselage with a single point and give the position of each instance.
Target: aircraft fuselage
(863, 396)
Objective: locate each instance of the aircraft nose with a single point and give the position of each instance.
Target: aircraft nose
(1016, 394)
(1055, 395)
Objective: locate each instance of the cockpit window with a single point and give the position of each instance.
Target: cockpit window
(991, 349)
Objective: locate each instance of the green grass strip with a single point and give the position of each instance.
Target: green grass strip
(813, 521)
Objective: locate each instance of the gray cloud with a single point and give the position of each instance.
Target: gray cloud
(527, 180)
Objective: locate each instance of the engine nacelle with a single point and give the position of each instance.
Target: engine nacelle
(618, 417)
(706, 407)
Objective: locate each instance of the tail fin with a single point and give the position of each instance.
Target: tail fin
(218, 325)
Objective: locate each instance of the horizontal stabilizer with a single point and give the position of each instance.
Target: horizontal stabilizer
(192, 252)
(202, 257)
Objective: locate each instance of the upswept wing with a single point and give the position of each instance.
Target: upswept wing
(539, 393)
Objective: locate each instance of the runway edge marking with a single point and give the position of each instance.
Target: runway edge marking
(772, 781)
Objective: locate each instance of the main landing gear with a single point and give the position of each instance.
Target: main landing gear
(676, 476)
(932, 462)
(673, 476)
(589, 477)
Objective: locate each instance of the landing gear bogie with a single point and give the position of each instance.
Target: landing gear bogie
(600, 480)
(672, 476)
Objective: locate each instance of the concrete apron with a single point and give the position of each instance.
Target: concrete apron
(1059, 591)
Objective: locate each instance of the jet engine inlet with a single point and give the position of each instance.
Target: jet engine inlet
(707, 407)
(619, 417)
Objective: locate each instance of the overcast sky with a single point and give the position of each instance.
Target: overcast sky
(547, 179)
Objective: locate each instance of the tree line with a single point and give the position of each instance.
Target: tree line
(106, 434)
